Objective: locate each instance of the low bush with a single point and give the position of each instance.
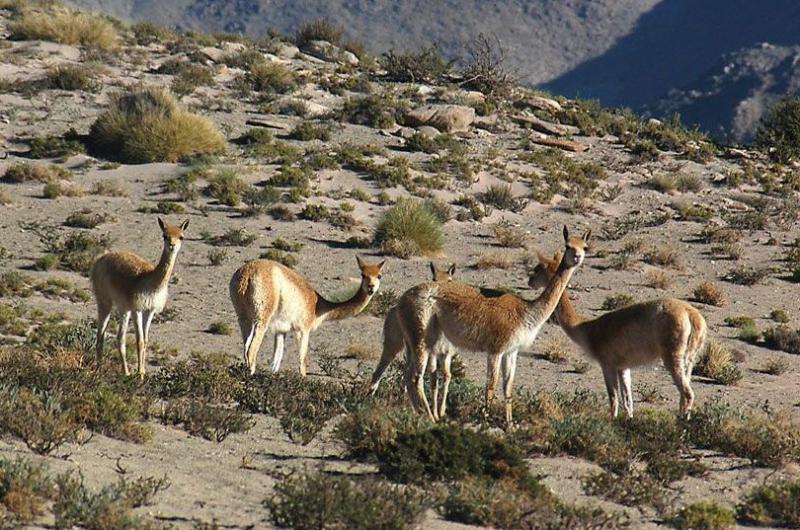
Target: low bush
(65, 26)
(773, 504)
(703, 515)
(782, 338)
(426, 65)
(711, 294)
(317, 500)
(717, 363)
(409, 228)
(200, 418)
(779, 131)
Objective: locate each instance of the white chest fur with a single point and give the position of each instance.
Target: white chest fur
(154, 301)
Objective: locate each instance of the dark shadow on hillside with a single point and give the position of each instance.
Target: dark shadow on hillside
(674, 44)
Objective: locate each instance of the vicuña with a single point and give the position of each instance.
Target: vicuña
(269, 296)
(393, 342)
(636, 335)
(129, 284)
(497, 325)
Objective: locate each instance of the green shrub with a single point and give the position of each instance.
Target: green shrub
(319, 29)
(219, 328)
(630, 488)
(148, 125)
(307, 131)
(200, 418)
(450, 452)
(423, 66)
(773, 504)
(270, 78)
(281, 257)
(190, 77)
(782, 338)
(409, 225)
(24, 490)
(703, 515)
(227, 187)
(617, 301)
(779, 131)
(234, 237)
(86, 219)
(74, 77)
(500, 196)
(317, 500)
(377, 110)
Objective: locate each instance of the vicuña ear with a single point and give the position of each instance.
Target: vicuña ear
(185, 225)
(360, 261)
(587, 236)
(452, 270)
(162, 224)
(566, 234)
(433, 268)
(381, 264)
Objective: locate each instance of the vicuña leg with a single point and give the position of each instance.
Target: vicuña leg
(148, 320)
(612, 387)
(436, 376)
(103, 318)
(277, 352)
(140, 344)
(683, 382)
(255, 345)
(446, 386)
(303, 340)
(492, 377)
(509, 369)
(124, 318)
(624, 382)
(248, 330)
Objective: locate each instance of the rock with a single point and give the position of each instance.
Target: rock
(543, 103)
(545, 126)
(406, 132)
(654, 122)
(445, 118)
(214, 54)
(233, 47)
(287, 51)
(328, 52)
(427, 130)
(567, 145)
(311, 109)
(425, 90)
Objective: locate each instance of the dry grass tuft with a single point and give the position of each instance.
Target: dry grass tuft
(148, 125)
(66, 26)
(494, 260)
(709, 293)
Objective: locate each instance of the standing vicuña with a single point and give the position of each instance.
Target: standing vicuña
(124, 282)
(472, 320)
(267, 295)
(393, 336)
(632, 336)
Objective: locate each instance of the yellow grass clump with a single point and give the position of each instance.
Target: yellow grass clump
(148, 125)
(66, 26)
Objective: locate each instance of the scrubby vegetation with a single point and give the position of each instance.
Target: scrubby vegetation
(409, 228)
(148, 125)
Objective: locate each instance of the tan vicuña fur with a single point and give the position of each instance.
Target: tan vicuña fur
(267, 295)
(393, 342)
(129, 284)
(636, 335)
(497, 325)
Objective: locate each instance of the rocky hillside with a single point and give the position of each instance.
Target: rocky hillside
(311, 156)
(651, 56)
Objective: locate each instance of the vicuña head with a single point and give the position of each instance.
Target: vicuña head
(393, 334)
(268, 295)
(128, 284)
(473, 320)
(636, 335)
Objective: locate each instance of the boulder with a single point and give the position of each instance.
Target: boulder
(445, 118)
(427, 130)
(287, 51)
(328, 52)
(212, 53)
(311, 109)
(543, 103)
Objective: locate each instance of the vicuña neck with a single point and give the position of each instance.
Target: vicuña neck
(568, 318)
(543, 307)
(159, 277)
(327, 310)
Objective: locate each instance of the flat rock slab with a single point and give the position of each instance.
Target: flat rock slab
(445, 118)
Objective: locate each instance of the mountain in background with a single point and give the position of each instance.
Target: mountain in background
(703, 59)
